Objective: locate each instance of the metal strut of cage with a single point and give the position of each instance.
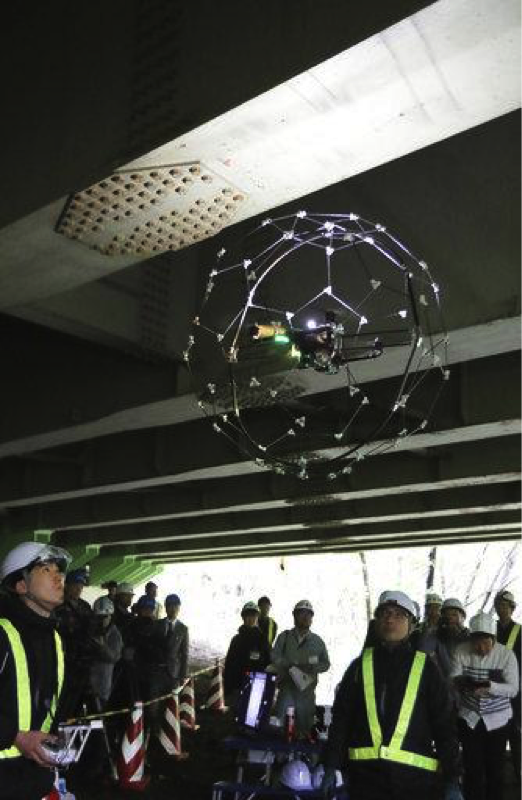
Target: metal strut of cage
(405, 303)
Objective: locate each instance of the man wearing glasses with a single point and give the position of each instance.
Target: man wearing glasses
(394, 726)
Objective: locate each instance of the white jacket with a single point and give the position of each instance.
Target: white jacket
(500, 668)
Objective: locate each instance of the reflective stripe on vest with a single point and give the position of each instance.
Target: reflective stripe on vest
(515, 630)
(270, 630)
(393, 751)
(23, 686)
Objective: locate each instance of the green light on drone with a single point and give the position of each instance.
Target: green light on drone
(280, 338)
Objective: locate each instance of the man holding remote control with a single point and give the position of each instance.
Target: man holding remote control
(31, 667)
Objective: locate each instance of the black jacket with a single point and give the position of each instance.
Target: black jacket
(263, 623)
(503, 636)
(21, 778)
(433, 720)
(123, 620)
(248, 650)
(175, 646)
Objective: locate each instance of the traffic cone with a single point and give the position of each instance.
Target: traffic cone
(170, 733)
(187, 706)
(216, 695)
(131, 761)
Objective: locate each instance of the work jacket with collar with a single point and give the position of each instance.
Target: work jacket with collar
(33, 693)
(430, 731)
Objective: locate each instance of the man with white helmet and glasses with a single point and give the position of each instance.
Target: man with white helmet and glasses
(508, 634)
(393, 723)
(298, 657)
(31, 667)
(485, 674)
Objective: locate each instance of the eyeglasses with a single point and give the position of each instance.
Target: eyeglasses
(392, 612)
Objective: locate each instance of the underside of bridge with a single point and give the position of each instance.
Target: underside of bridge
(139, 138)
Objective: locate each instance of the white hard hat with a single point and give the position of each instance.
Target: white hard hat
(433, 599)
(483, 623)
(453, 602)
(318, 775)
(396, 598)
(125, 588)
(303, 605)
(509, 597)
(29, 554)
(296, 775)
(103, 606)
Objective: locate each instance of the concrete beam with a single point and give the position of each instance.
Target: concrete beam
(112, 567)
(144, 462)
(144, 53)
(306, 511)
(457, 537)
(101, 382)
(494, 341)
(199, 501)
(482, 402)
(327, 532)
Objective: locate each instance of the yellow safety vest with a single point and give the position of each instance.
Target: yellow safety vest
(271, 629)
(393, 751)
(515, 630)
(23, 684)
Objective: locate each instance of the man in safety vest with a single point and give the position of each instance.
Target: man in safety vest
(509, 634)
(393, 723)
(31, 667)
(267, 624)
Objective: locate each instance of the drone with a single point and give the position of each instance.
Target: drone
(325, 347)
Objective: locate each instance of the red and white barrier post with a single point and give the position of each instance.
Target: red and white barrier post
(131, 762)
(187, 706)
(170, 733)
(216, 695)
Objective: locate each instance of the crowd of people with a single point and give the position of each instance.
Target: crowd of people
(122, 649)
(427, 708)
(443, 696)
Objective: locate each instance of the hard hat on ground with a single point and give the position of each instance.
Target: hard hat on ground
(507, 596)
(172, 600)
(303, 605)
(125, 588)
(103, 606)
(250, 608)
(453, 602)
(397, 598)
(296, 775)
(433, 599)
(483, 623)
(318, 775)
(29, 554)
